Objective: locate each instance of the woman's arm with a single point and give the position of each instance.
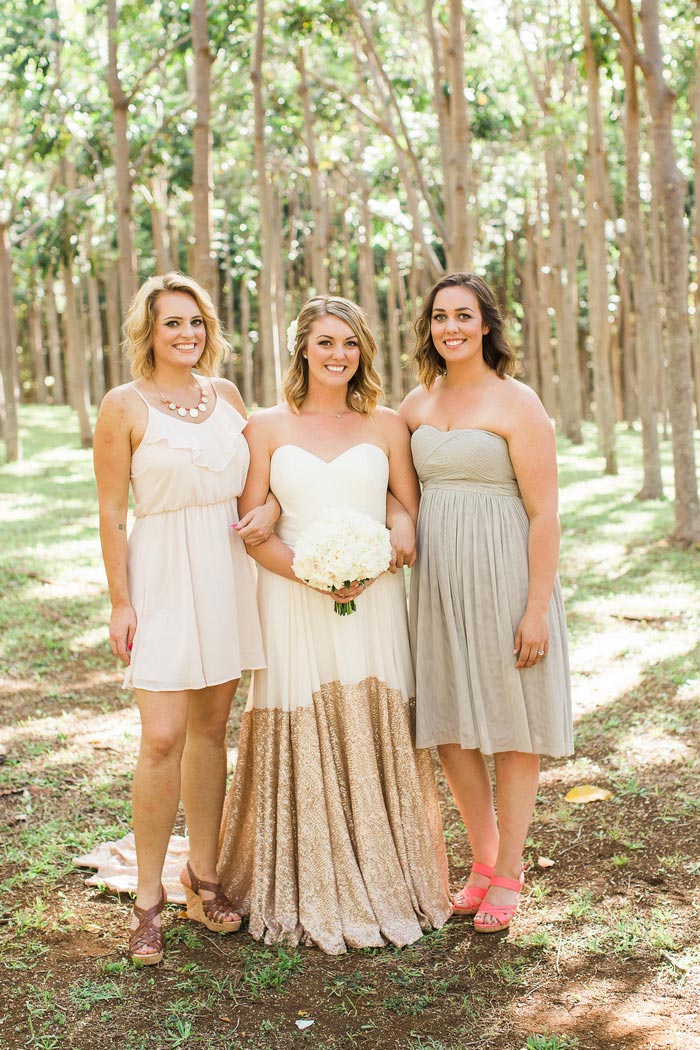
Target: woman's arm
(112, 458)
(257, 525)
(403, 480)
(271, 553)
(404, 494)
(533, 453)
(403, 533)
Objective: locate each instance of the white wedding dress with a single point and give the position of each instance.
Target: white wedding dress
(331, 830)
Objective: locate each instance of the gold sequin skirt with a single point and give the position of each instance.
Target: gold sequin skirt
(331, 832)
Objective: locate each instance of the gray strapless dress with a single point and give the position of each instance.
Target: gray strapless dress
(468, 593)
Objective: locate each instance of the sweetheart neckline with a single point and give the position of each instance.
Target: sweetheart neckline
(327, 462)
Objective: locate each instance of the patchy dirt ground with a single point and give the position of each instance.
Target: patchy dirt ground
(604, 951)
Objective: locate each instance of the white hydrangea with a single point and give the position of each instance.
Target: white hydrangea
(341, 547)
(292, 335)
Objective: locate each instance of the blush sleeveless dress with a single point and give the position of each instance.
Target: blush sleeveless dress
(191, 582)
(469, 590)
(331, 832)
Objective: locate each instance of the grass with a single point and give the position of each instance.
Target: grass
(604, 947)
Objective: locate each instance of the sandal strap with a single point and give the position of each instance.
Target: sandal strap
(147, 934)
(499, 912)
(482, 869)
(507, 884)
(199, 884)
(218, 906)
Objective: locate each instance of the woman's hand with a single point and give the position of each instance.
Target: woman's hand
(122, 628)
(256, 526)
(403, 540)
(531, 639)
(349, 593)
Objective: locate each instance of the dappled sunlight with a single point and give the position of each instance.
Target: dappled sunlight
(90, 639)
(653, 748)
(72, 737)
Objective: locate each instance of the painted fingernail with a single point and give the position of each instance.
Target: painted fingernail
(235, 525)
(130, 647)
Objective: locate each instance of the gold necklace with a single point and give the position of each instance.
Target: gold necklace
(200, 409)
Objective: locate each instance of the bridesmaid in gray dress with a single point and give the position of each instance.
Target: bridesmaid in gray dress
(488, 629)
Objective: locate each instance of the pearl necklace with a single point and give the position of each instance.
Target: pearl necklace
(200, 409)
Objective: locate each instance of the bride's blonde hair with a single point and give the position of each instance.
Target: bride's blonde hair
(365, 387)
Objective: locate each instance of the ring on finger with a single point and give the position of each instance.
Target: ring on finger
(540, 652)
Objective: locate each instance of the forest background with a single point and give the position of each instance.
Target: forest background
(278, 149)
(273, 149)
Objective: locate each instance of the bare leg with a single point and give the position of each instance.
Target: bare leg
(204, 776)
(156, 788)
(468, 777)
(517, 777)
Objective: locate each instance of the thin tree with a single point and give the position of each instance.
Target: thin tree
(673, 189)
(204, 268)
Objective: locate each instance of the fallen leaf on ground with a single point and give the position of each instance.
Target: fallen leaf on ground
(588, 793)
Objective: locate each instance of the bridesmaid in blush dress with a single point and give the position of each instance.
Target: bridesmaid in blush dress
(488, 629)
(331, 831)
(184, 617)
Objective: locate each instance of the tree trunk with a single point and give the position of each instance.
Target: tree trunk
(366, 279)
(545, 365)
(673, 188)
(268, 344)
(318, 246)
(460, 239)
(394, 317)
(203, 269)
(36, 343)
(627, 333)
(58, 390)
(569, 387)
(644, 295)
(96, 352)
(530, 311)
(696, 234)
(597, 256)
(247, 385)
(75, 357)
(115, 358)
(8, 351)
(120, 107)
(159, 223)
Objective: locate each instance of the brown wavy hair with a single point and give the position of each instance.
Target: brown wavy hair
(141, 322)
(365, 387)
(497, 352)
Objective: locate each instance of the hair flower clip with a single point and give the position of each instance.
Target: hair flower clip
(292, 335)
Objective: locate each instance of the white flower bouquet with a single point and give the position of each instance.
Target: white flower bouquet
(342, 547)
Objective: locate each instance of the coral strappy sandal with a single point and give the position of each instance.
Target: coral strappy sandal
(468, 900)
(502, 913)
(211, 912)
(147, 934)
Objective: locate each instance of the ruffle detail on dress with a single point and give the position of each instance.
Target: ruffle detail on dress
(214, 450)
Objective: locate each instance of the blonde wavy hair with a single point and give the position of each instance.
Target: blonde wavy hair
(141, 323)
(365, 387)
(495, 348)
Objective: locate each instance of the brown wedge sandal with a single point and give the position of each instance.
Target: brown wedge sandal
(147, 934)
(210, 912)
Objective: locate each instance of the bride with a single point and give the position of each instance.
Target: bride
(331, 831)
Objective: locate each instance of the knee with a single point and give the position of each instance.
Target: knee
(162, 746)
